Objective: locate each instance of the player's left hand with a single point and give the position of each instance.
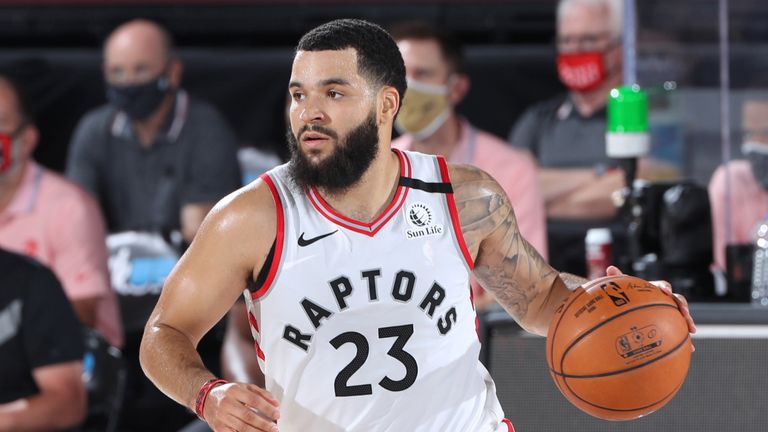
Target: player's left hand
(666, 287)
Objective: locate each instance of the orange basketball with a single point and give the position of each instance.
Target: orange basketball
(618, 348)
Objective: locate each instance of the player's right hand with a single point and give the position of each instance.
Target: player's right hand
(236, 407)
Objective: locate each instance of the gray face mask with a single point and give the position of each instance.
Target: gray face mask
(757, 155)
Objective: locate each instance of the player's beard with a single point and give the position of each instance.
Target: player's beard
(345, 166)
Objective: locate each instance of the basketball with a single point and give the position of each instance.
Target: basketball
(618, 348)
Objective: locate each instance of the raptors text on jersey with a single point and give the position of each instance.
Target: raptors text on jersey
(369, 326)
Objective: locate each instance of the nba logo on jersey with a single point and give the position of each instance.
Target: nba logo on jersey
(420, 218)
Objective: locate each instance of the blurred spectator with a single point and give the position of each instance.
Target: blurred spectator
(567, 134)
(41, 350)
(156, 158)
(429, 123)
(748, 183)
(45, 216)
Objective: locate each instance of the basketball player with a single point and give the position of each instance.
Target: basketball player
(354, 260)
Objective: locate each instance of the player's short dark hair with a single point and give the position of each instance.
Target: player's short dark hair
(378, 58)
(450, 47)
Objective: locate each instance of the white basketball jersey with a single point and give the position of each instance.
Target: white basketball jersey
(370, 326)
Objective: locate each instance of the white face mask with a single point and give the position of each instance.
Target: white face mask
(425, 108)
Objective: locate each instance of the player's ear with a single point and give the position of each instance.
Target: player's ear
(389, 103)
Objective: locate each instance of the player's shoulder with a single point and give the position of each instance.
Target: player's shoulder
(480, 201)
(248, 211)
(472, 179)
(472, 184)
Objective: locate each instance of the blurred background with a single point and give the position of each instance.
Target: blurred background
(237, 55)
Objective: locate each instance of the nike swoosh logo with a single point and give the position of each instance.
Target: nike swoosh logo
(306, 242)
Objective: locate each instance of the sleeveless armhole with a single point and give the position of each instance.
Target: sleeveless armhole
(454, 214)
(275, 254)
(509, 425)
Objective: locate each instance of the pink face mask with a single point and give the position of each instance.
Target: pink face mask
(581, 72)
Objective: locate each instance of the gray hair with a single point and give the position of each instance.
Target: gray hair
(615, 11)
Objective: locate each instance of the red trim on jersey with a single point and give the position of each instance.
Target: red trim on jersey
(357, 226)
(253, 322)
(455, 214)
(279, 235)
(255, 325)
(405, 163)
(258, 350)
(509, 425)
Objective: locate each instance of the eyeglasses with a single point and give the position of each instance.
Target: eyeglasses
(585, 42)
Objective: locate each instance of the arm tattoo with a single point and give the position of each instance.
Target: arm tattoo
(506, 264)
(572, 281)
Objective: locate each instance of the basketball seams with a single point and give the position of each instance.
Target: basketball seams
(604, 322)
(674, 357)
(585, 288)
(607, 374)
(660, 401)
(603, 279)
(551, 340)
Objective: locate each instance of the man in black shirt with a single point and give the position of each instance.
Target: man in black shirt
(41, 350)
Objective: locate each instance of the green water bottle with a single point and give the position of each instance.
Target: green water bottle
(627, 134)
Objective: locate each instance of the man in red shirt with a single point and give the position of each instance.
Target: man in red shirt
(47, 217)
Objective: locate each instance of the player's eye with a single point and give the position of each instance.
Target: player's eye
(297, 96)
(335, 94)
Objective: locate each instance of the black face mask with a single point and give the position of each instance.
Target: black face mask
(139, 101)
(759, 163)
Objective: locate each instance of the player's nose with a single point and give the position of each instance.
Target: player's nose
(312, 113)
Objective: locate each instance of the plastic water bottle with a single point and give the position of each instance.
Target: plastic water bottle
(760, 264)
(598, 244)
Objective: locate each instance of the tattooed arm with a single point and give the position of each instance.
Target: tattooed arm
(505, 263)
(572, 281)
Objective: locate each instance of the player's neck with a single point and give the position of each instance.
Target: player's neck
(444, 141)
(372, 194)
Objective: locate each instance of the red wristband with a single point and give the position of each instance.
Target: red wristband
(202, 395)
